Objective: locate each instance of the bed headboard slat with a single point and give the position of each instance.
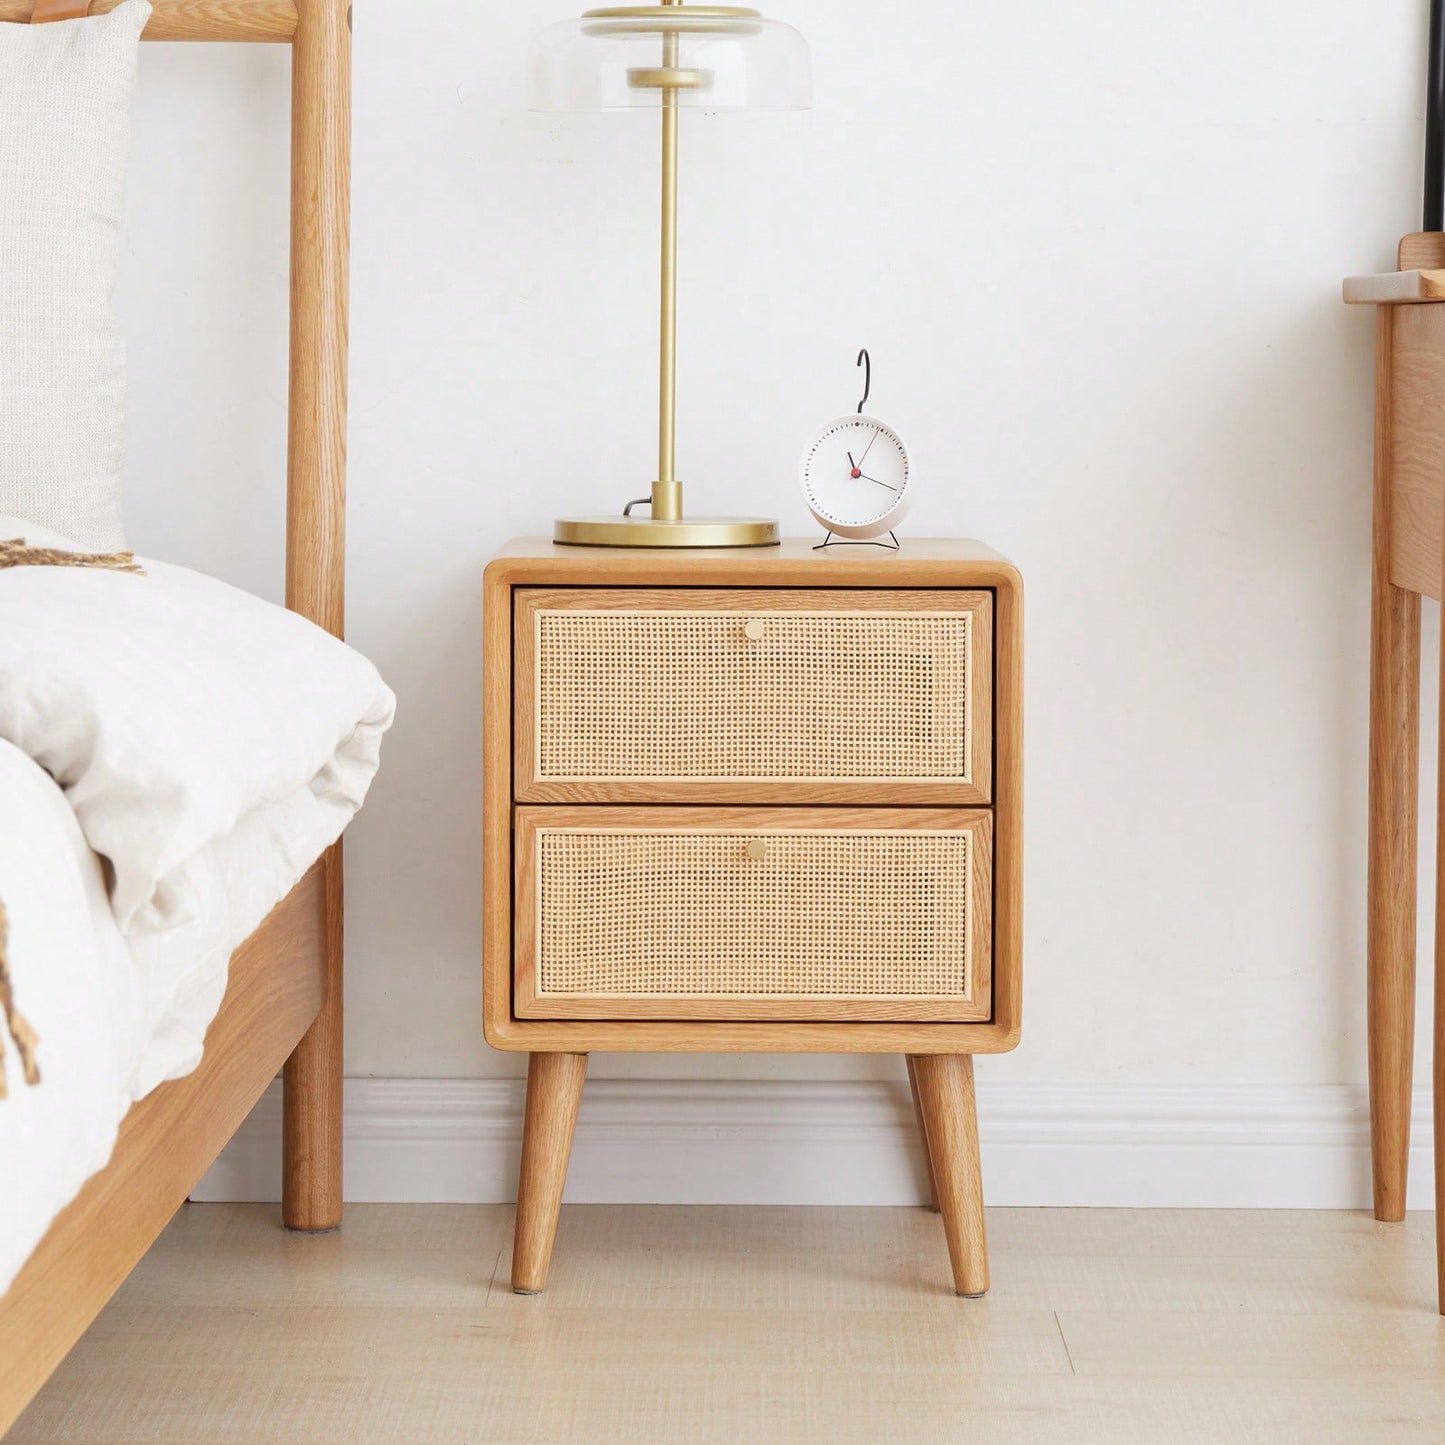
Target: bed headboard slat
(273, 20)
(320, 266)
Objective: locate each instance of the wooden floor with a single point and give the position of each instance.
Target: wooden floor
(755, 1325)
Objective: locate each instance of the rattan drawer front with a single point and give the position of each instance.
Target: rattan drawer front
(748, 913)
(753, 695)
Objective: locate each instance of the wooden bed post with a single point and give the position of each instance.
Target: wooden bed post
(316, 530)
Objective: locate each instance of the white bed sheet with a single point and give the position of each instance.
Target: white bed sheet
(174, 755)
(77, 986)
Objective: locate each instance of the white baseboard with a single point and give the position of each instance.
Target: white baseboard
(753, 1142)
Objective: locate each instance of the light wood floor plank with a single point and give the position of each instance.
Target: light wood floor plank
(1104, 1327)
(1401, 1345)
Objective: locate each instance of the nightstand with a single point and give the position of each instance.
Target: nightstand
(753, 800)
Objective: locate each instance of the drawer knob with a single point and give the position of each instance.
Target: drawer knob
(757, 850)
(754, 628)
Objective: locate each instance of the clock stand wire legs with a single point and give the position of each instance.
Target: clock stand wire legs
(891, 545)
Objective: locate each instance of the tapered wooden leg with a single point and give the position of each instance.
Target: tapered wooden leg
(1439, 1114)
(922, 1131)
(312, 1085)
(945, 1092)
(1394, 784)
(1439, 1039)
(554, 1094)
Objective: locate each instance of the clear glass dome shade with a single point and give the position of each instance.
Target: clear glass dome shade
(711, 57)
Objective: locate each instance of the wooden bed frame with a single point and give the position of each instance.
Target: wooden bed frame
(283, 1002)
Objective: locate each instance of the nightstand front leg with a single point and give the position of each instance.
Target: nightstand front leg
(922, 1131)
(945, 1093)
(554, 1094)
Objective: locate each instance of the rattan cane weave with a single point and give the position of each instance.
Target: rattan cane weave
(784, 914)
(743, 696)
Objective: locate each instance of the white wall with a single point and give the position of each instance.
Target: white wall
(1095, 251)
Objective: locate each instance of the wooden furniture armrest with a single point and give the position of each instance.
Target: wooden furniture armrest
(1395, 288)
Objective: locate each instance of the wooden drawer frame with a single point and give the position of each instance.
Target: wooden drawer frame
(531, 603)
(921, 565)
(530, 822)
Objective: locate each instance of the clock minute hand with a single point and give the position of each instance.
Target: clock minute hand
(876, 482)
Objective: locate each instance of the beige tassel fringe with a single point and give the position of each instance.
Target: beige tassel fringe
(26, 1039)
(15, 553)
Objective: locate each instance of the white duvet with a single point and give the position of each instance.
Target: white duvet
(174, 754)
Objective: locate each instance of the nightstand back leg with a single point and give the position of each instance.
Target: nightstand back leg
(554, 1094)
(945, 1093)
(922, 1131)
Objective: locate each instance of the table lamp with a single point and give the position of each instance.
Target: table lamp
(667, 57)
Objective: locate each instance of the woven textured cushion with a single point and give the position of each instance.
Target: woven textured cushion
(65, 96)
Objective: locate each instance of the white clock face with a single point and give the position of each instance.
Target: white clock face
(855, 476)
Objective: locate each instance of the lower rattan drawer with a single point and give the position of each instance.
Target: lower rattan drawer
(752, 913)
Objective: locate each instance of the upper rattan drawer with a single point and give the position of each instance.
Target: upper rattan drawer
(753, 695)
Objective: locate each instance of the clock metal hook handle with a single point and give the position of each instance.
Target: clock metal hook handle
(866, 362)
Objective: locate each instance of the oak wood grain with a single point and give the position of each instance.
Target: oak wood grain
(316, 528)
(1416, 441)
(922, 1124)
(1393, 817)
(1395, 288)
(1421, 250)
(928, 564)
(946, 1094)
(554, 1095)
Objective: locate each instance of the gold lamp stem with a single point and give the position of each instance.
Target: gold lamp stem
(667, 491)
(666, 526)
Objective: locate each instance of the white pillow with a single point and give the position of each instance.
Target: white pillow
(18, 529)
(65, 95)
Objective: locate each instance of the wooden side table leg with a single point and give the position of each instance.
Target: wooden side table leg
(922, 1131)
(1394, 800)
(945, 1091)
(554, 1094)
(1439, 1039)
(1440, 1112)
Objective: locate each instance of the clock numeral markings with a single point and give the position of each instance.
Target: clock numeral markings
(855, 463)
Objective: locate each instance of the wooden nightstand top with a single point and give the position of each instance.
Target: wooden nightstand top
(920, 562)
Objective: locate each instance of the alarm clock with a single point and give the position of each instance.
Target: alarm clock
(854, 474)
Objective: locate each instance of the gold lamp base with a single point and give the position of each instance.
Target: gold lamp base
(685, 532)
